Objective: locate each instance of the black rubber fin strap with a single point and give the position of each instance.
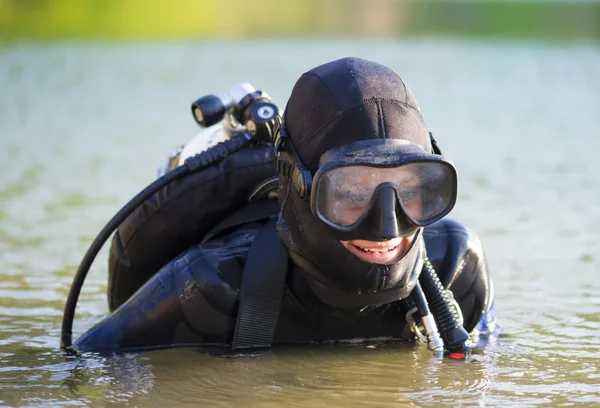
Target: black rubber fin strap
(262, 290)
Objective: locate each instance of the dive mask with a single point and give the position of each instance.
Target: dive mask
(375, 189)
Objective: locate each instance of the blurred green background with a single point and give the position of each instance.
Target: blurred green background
(151, 19)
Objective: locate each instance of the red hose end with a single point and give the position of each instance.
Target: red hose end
(457, 356)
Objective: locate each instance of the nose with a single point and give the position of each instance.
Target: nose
(386, 214)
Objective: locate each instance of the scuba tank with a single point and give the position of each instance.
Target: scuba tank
(202, 182)
(204, 140)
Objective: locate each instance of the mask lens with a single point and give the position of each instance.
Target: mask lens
(425, 190)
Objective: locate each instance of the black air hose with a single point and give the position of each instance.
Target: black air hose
(192, 165)
(449, 322)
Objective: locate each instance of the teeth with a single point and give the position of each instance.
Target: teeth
(377, 250)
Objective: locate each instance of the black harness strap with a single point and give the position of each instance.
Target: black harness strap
(262, 290)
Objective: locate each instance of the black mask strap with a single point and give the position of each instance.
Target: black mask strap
(288, 163)
(434, 146)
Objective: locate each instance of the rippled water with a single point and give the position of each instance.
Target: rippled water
(84, 126)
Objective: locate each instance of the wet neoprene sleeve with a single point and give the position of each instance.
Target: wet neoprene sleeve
(152, 318)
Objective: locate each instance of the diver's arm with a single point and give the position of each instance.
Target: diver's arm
(458, 257)
(149, 319)
(185, 303)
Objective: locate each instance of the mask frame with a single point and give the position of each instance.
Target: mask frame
(288, 163)
(374, 153)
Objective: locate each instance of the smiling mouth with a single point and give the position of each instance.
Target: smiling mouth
(377, 250)
(381, 253)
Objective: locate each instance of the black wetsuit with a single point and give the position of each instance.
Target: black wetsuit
(193, 300)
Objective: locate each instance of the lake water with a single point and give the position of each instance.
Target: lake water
(83, 127)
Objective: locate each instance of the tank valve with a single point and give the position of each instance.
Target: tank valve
(244, 110)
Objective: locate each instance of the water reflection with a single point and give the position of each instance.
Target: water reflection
(82, 379)
(378, 375)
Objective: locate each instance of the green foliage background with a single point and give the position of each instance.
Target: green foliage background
(152, 19)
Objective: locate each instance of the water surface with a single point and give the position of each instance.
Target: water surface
(84, 126)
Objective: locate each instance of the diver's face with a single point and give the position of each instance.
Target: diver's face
(353, 193)
(380, 252)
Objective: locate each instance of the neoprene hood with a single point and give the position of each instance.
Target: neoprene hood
(335, 104)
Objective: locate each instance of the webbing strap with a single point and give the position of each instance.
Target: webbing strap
(262, 289)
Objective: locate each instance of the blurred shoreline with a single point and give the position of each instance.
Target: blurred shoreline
(49, 20)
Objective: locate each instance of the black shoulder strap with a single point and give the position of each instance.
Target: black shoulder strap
(262, 289)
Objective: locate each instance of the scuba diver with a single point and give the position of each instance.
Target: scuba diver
(343, 239)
